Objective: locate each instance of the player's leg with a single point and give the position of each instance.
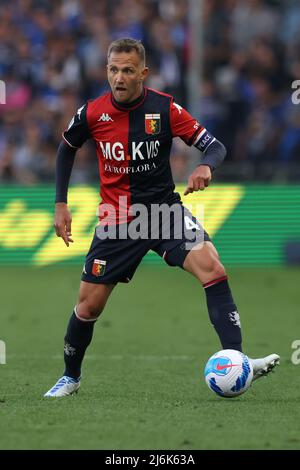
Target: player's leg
(108, 262)
(91, 302)
(189, 247)
(204, 263)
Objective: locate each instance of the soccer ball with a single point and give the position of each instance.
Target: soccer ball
(228, 373)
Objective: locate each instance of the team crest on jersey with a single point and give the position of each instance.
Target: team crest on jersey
(152, 123)
(99, 266)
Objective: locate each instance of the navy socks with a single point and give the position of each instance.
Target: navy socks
(78, 337)
(223, 313)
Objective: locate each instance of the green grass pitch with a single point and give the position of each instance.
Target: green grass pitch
(143, 385)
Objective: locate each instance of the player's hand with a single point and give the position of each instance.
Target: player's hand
(199, 179)
(62, 222)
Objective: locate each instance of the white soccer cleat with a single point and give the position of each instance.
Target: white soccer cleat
(264, 365)
(63, 387)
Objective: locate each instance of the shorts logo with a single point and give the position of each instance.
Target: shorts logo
(152, 123)
(99, 266)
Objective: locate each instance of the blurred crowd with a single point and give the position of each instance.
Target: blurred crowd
(53, 57)
(251, 59)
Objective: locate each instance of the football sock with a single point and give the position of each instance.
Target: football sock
(223, 313)
(78, 337)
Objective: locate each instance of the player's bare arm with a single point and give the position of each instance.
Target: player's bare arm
(62, 222)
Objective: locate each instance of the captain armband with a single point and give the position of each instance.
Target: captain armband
(213, 150)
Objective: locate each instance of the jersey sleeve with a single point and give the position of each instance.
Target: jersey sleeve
(183, 125)
(78, 130)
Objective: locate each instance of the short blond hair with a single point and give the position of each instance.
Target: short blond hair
(127, 45)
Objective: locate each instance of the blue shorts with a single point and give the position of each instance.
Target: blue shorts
(115, 258)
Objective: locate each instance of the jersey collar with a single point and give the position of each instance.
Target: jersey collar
(129, 106)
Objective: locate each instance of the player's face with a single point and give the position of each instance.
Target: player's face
(126, 73)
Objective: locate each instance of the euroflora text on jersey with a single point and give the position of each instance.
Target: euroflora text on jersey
(151, 221)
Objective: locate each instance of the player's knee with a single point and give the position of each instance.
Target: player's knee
(213, 269)
(217, 270)
(88, 310)
(212, 264)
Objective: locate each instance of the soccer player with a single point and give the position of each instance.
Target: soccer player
(132, 127)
